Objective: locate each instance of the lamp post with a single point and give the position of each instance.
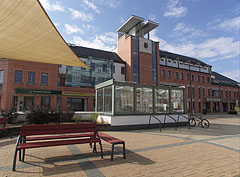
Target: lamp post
(144, 69)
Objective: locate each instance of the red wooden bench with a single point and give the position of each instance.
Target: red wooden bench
(3, 122)
(113, 141)
(68, 134)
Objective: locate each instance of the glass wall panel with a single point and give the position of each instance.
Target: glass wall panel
(100, 100)
(108, 99)
(177, 101)
(124, 99)
(144, 102)
(161, 100)
(101, 70)
(28, 103)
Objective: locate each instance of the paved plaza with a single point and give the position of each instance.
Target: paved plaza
(185, 152)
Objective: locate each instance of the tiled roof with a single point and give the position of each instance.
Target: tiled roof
(181, 58)
(223, 80)
(86, 52)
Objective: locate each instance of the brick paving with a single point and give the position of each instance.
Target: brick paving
(185, 152)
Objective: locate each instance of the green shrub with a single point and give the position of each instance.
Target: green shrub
(94, 117)
(77, 118)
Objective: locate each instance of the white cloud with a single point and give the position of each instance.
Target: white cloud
(235, 75)
(81, 15)
(230, 24)
(73, 29)
(52, 6)
(215, 49)
(105, 41)
(121, 20)
(183, 32)
(111, 3)
(92, 6)
(152, 17)
(174, 9)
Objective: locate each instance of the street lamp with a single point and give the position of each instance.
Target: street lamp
(144, 69)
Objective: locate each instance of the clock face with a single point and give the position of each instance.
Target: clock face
(145, 45)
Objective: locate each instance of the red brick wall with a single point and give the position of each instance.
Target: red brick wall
(9, 85)
(145, 65)
(124, 47)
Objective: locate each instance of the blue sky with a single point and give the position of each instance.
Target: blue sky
(205, 29)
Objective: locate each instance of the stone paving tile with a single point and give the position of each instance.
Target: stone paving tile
(186, 152)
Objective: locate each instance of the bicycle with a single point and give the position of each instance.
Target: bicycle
(198, 120)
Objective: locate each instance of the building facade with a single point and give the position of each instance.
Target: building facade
(24, 85)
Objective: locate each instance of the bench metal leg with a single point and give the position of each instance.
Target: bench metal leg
(23, 155)
(124, 154)
(20, 155)
(100, 143)
(94, 148)
(14, 160)
(112, 151)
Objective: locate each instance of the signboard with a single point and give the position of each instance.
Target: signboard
(71, 93)
(30, 91)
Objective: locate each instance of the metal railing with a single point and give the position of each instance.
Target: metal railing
(160, 123)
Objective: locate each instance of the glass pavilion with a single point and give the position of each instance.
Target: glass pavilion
(129, 98)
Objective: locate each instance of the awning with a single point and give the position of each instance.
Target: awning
(27, 33)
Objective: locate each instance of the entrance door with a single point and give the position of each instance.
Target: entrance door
(225, 107)
(76, 104)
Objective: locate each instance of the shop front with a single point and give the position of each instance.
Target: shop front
(27, 99)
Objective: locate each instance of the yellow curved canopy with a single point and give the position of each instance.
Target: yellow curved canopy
(27, 33)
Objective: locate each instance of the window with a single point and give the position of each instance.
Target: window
(199, 92)
(113, 69)
(108, 99)
(124, 99)
(1, 78)
(199, 107)
(28, 103)
(75, 104)
(193, 92)
(230, 94)
(176, 75)
(163, 73)
(226, 93)
(192, 77)
(161, 100)
(198, 78)
(203, 91)
(209, 92)
(208, 79)
(144, 100)
(45, 102)
(181, 77)
(122, 70)
(202, 79)
(44, 80)
(188, 77)
(31, 77)
(177, 101)
(18, 76)
(100, 100)
(169, 74)
(188, 92)
(104, 67)
(214, 92)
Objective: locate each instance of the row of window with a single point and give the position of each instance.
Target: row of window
(181, 76)
(76, 104)
(31, 77)
(214, 93)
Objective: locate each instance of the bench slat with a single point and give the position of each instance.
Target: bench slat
(58, 137)
(109, 139)
(57, 143)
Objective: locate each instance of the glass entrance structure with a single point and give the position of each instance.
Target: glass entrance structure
(128, 98)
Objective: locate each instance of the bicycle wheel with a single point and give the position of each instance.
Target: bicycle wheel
(205, 123)
(192, 122)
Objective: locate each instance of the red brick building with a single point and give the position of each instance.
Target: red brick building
(24, 85)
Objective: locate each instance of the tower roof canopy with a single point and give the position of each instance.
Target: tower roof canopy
(27, 33)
